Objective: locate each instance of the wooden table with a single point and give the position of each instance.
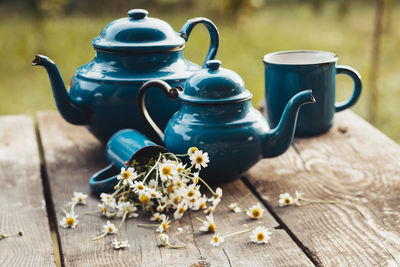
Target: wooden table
(353, 163)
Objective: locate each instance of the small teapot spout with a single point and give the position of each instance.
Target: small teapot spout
(71, 111)
(278, 140)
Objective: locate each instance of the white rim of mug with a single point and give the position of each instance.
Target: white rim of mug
(267, 57)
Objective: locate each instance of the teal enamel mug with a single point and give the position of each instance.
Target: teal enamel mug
(290, 72)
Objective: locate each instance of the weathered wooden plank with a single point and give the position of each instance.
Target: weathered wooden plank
(21, 196)
(355, 164)
(72, 155)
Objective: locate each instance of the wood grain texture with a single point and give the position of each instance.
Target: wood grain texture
(72, 155)
(21, 196)
(355, 164)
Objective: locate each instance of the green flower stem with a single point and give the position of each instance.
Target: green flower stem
(152, 168)
(119, 231)
(117, 191)
(320, 201)
(236, 233)
(209, 188)
(243, 198)
(100, 236)
(176, 246)
(73, 207)
(200, 220)
(92, 212)
(147, 225)
(123, 217)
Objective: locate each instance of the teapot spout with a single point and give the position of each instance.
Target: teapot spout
(278, 140)
(71, 111)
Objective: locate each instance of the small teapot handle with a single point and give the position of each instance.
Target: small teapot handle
(212, 30)
(169, 92)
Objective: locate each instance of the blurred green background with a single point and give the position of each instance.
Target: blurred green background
(63, 30)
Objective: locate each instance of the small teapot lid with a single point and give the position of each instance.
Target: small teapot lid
(214, 85)
(138, 33)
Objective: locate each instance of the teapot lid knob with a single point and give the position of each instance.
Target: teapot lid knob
(137, 13)
(213, 64)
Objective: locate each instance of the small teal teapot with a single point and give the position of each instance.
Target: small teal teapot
(217, 117)
(129, 52)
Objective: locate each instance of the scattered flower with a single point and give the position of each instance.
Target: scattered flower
(216, 240)
(163, 240)
(260, 235)
(126, 208)
(208, 224)
(234, 207)
(69, 221)
(78, 198)
(255, 212)
(120, 244)
(158, 217)
(199, 159)
(163, 225)
(180, 210)
(109, 228)
(297, 198)
(285, 200)
(108, 200)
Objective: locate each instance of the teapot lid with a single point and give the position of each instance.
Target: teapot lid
(214, 85)
(138, 33)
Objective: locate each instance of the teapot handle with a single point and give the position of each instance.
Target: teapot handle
(212, 30)
(169, 92)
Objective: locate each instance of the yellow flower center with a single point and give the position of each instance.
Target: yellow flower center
(181, 210)
(179, 184)
(70, 221)
(177, 199)
(179, 169)
(166, 170)
(193, 200)
(256, 213)
(190, 193)
(125, 175)
(196, 180)
(287, 201)
(203, 205)
(216, 239)
(140, 187)
(165, 226)
(110, 229)
(260, 237)
(153, 186)
(193, 149)
(153, 194)
(199, 159)
(212, 227)
(144, 199)
(104, 209)
(170, 188)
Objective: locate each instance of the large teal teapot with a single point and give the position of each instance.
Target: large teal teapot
(129, 51)
(217, 117)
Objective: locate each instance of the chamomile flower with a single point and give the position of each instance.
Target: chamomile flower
(158, 217)
(201, 203)
(216, 240)
(152, 184)
(69, 221)
(110, 228)
(260, 235)
(167, 171)
(108, 200)
(154, 193)
(180, 210)
(255, 212)
(163, 225)
(127, 175)
(297, 198)
(138, 187)
(208, 224)
(120, 244)
(216, 198)
(180, 167)
(199, 159)
(104, 209)
(144, 197)
(285, 200)
(196, 177)
(128, 208)
(79, 198)
(234, 207)
(163, 239)
(191, 150)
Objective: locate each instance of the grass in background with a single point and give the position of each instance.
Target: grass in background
(66, 40)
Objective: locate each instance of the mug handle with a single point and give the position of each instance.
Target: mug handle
(170, 92)
(212, 30)
(104, 180)
(342, 69)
